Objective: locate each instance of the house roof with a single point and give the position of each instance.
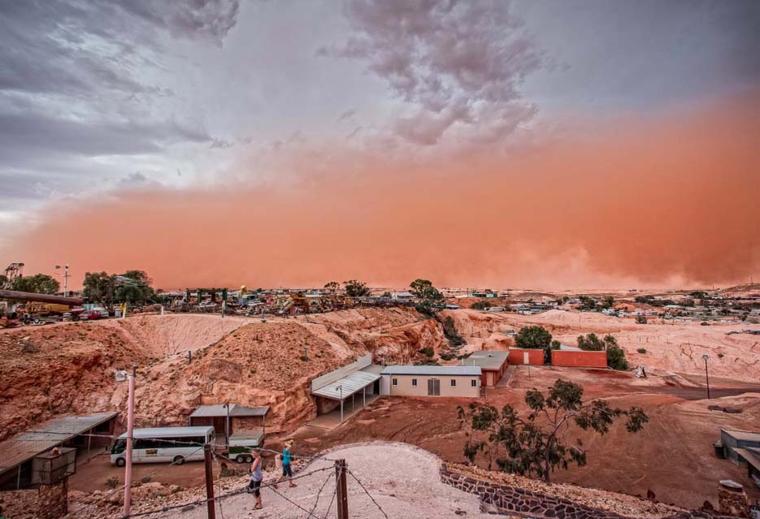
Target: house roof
(236, 410)
(433, 370)
(487, 359)
(27, 445)
(346, 386)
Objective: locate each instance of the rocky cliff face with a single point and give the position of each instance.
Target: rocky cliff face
(69, 368)
(58, 370)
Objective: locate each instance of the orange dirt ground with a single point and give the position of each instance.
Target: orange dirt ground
(68, 368)
(673, 456)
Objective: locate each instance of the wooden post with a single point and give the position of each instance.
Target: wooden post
(209, 482)
(340, 485)
(128, 456)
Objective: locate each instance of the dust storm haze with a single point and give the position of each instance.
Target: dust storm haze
(651, 202)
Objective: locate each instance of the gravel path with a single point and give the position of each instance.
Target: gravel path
(403, 480)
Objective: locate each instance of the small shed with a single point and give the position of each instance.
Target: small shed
(732, 440)
(493, 364)
(241, 418)
(24, 454)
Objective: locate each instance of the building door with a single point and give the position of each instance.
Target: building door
(434, 387)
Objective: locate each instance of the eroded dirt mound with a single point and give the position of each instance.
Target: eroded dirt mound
(69, 368)
(174, 333)
(257, 364)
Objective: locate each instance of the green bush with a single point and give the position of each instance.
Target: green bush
(534, 338)
(481, 305)
(590, 342)
(428, 352)
(450, 331)
(616, 358)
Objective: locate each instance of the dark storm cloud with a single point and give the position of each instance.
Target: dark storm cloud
(451, 62)
(78, 80)
(32, 133)
(69, 47)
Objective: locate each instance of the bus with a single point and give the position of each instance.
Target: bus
(163, 444)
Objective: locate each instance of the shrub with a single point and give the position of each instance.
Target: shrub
(450, 331)
(642, 350)
(112, 482)
(533, 337)
(590, 342)
(447, 356)
(428, 351)
(480, 305)
(641, 319)
(616, 358)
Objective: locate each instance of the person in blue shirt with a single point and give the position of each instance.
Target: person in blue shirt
(287, 471)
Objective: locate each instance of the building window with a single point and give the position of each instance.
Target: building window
(474, 383)
(414, 381)
(395, 382)
(453, 382)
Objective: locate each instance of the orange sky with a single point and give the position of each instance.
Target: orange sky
(666, 201)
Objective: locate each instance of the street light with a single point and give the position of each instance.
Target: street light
(65, 276)
(707, 377)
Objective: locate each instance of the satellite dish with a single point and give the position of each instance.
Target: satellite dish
(120, 375)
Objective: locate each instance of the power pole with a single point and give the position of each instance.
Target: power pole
(340, 485)
(130, 431)
(209, 482)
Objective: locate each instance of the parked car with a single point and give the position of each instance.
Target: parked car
(241, 447)
(93, 314)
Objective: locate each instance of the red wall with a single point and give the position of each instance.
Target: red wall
(579, 359)
(535, 357)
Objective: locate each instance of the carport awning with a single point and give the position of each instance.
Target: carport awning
(346, 386)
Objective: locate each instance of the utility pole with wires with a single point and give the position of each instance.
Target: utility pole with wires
(340, 487)
(65, 277)
(130, 431)
(210, 502)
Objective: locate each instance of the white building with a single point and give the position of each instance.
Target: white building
(451, 381)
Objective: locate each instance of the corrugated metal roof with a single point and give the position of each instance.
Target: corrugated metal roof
(433, 370)
(216, 410)
(492, 360)
(47, 435)
(749, 456)
(743, 435)
(169, 432)
(347, 385)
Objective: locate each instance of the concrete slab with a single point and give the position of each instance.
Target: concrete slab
(331, 420)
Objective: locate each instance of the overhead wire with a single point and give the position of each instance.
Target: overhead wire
(368, 494)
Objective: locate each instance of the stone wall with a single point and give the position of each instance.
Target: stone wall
(521, 502)
(45, 502)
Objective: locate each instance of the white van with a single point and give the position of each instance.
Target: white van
(163, 444)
